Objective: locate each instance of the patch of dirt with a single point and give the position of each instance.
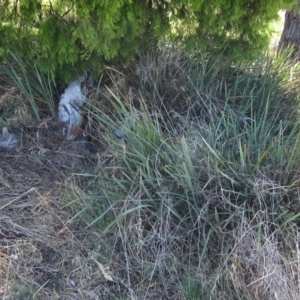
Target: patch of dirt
(44, 253)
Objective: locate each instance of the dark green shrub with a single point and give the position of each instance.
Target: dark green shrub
(64, 36)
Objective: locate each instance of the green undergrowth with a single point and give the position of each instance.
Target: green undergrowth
(35, 92)
(197, 192)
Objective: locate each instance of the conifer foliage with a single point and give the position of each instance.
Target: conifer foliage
(58, 35)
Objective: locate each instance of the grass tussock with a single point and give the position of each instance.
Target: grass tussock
(193, 192)
(200, 194)
(35, 91)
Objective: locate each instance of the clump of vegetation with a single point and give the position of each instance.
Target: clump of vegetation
(194, 192)
(35, 89)
(64, 37)
(187, 185)
(198, 195)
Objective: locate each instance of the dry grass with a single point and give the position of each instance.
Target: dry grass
(259, 268)
(87, 225)
(45, 254)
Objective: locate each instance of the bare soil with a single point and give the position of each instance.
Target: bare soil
(46, 249)
(44, 253)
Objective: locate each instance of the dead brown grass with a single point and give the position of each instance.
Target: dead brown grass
(44, 253)
(47, 251)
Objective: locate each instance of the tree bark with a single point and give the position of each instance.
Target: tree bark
(290, 36)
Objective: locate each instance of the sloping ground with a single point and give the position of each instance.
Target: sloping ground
(46, 252)
(237, 243)
(44, 255)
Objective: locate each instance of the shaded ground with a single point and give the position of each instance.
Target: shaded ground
(44, 254)
(46, 251)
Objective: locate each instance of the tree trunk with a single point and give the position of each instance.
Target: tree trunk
(290, 36)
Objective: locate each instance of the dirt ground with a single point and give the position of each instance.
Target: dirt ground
(44, 253)
(46, 249)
